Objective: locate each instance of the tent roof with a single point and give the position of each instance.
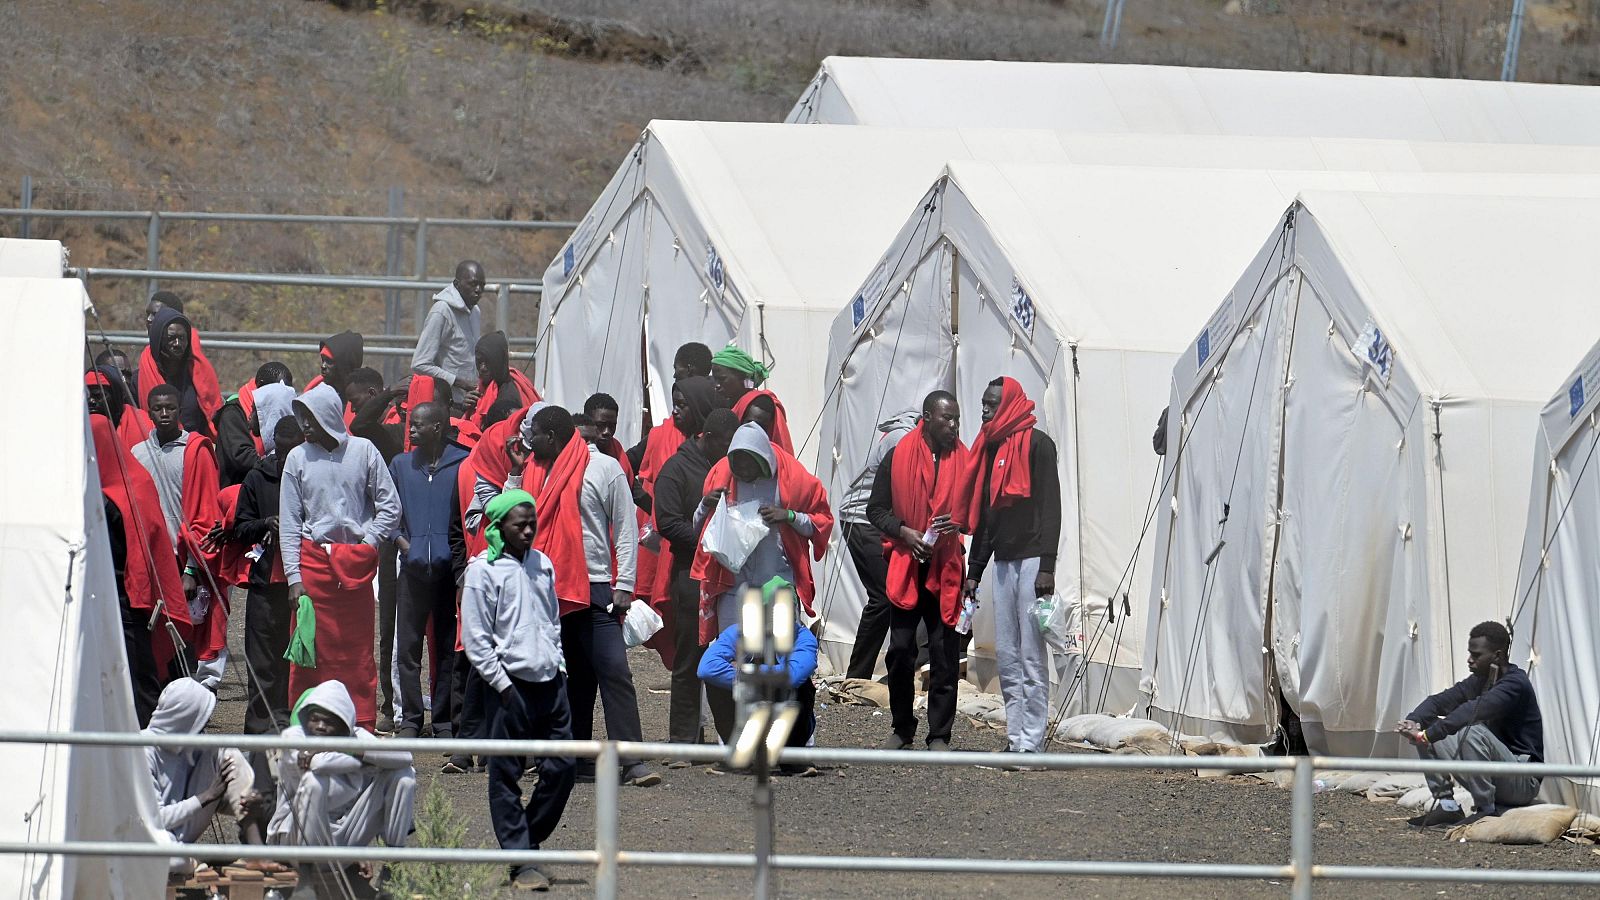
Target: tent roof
(21, 258)
(1102, 97)
(799, 216)
(1479, 296)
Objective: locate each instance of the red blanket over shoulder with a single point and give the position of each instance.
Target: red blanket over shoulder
(206, 388)
(918, 497)
(1003, 443)
(780, 422)
(555, 492)
(339, 582)
(798, 490)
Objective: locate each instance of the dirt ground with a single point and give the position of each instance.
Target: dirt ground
(944, 812)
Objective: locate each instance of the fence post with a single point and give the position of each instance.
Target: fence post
(152, 251)
(607, 776)
(26, 202)
(1301, 827)
(391, 268)
(421, 270)
(502, 308)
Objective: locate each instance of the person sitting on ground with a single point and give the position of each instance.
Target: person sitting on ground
(511, 632)
(193, 785)
(719, 667)
(1491, 715)
(334, 799)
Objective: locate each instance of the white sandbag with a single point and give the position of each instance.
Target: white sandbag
(996, 716)
(1076, 729)
(1421, 799)
(1355, 782)
(860, 691)
(1538, 824)
(1113, 733)
(1585, 829)
(1395, 786)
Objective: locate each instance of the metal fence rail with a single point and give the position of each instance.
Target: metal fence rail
(607, 856)
(135, 338)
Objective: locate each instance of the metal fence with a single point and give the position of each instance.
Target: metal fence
(1300, 869)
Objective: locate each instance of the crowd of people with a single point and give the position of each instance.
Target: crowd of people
(459, 513)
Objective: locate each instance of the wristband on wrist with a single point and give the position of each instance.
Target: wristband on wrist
(791, 516)
(191, 571)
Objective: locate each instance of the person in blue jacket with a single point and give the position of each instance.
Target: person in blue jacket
(433, 555)
(719, 666)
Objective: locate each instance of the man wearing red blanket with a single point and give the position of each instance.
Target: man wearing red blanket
(336, 504)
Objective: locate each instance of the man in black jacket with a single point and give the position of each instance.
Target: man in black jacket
(678, 493)
(1492, 716)
(268, 607)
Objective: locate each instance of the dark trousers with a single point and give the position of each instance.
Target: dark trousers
(866, 551)
(467, 690)
(804, 726)
(141, 660)
(388, 595)
(537, 710)
(683, 718)
(267, 613)
(425, 599)
(944, 658)
(597, 662)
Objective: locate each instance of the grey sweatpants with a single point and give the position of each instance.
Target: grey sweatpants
(1490, 793)
(381, 808)
(1020, 654)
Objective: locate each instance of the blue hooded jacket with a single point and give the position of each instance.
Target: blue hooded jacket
(430, 513)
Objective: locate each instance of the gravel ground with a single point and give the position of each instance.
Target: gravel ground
(943, 812)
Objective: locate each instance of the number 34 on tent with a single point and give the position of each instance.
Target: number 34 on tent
(1022, 307)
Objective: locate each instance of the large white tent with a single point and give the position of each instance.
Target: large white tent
(1136, 99)
(1084, 283)
(23, 258)
(65, 669)
(761, 233)
(1349, 456)
(1556, 623)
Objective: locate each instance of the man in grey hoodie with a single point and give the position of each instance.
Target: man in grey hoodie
(447, 347)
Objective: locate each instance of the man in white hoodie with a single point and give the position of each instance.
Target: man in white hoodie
(333, 799)
(192, 785)
(336, 503)
(447, 347)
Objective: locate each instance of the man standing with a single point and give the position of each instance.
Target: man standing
(337, 504)
(511, 632)
(337, 357)
(1490, 716)
(170, 359)
(446, 348)
(693, 358)
(239, 440)
(267, 606)
(914, 498)
(1017, 508)
(433, 555)
(597, 501)
(184, 469)
(866, 549)
(371, 414)
(502, 390)
(678, 495)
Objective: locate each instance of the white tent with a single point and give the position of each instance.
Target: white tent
(1348, 458)
(1556, 625)
(65, 666)
(1134, 99)
(1111, 268)
(761, 233)
(21, 258)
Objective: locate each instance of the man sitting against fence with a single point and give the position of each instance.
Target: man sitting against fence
(333, 799)
(1490, 716)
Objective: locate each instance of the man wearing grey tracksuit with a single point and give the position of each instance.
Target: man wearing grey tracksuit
(447, 347)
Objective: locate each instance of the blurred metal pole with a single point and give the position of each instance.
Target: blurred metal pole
(152, 251)
(1111, 25)
(26, 202)
(1508, 67)
(502, 309)
(1301, 827)
(391, 268)
(607, 777)
(421, 271)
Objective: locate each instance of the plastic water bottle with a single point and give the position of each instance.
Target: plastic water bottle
(930, 536)
(964, 623)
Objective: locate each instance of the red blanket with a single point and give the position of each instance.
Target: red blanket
(555, 491)
(664, 441)
(201, 513)
(206, 389)
(798, 490)
(780, 422)
(1003, 444)
(918, 497)
(339, 583)
(247, 402)
(491, 393)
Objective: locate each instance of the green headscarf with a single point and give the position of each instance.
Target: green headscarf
(777, 583)
(733, 358)
(497, 510)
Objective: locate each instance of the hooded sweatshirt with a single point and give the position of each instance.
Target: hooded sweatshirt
(346, 776)
(854, 508)
(346, 350)
(185, 707)
(445, 349)
(273, 402)
(511, 620)
(767, 560)
(258, 502)
(430, 511)
(199, 395)
(342, 496)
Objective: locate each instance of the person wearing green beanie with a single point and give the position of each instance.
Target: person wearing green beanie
(736, 373)
(511, 632)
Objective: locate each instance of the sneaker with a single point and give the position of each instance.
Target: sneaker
(640, 776)
(530, 878)
(938, 745)
(407, 731)
(458, 765)
(895, 742)
(385, 724)
(1437, 818)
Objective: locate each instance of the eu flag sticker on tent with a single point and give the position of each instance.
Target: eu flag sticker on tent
(568, 260)
(714, 272)
(1373, 349)
(1575, 396)
(1202, 349)
(858, 311)
(1021, 306)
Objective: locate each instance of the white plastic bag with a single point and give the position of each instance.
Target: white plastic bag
(733, 533)
(640, 624)
(1051, 615)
